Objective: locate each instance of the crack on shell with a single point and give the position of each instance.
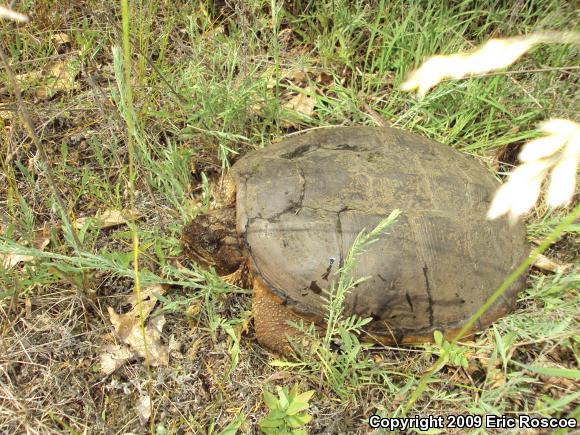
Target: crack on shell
(299, 151)
(315, 287)
(340, 239)
(409, 301)
(328, 269)
(429, 296)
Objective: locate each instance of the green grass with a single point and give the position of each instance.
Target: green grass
(211, 82)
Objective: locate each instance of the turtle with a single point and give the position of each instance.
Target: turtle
(291, 211)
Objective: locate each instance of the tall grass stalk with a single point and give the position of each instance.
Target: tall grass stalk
(129, 112)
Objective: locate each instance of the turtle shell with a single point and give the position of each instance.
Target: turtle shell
(302, 202)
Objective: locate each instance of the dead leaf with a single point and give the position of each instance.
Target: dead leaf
(296, 109)
(129, 332)
(10, 260)
(158, 352)
(59, 39)
(324, 79)
(544, 263)
(278, 376)
(107, 219)
(61, 77)
(297, 76)
(57, 76)
(302, 104)
(143, 408)
(113, 357)
(147, 293)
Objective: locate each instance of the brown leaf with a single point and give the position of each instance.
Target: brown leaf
(143, 408)
(107, 219)
(278, 376)
(129, 331)
(59, 39)
(175, 347)
(113, 357)
(9, 260)
(297, 77)
(324, 79)
(56, 76)
(147, 293)
(544, 263)
(302, 104)
(297, 108)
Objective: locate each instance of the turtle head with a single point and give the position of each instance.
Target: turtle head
(211, 240)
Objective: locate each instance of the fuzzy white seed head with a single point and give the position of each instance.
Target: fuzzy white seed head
(562, 182)
(519, 194)
(495, 54)
(9, 14)
(558, 153)
(540, 148)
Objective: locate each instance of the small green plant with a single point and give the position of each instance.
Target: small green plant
(287, 411)
(338, 355)
(231, 429)
(234, 347)
(454, 353)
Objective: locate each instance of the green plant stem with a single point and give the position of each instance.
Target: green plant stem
(125, 13)
(552, 237)
(162, 77)
(275, 51)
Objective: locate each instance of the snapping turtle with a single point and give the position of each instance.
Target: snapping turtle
(293, 210)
